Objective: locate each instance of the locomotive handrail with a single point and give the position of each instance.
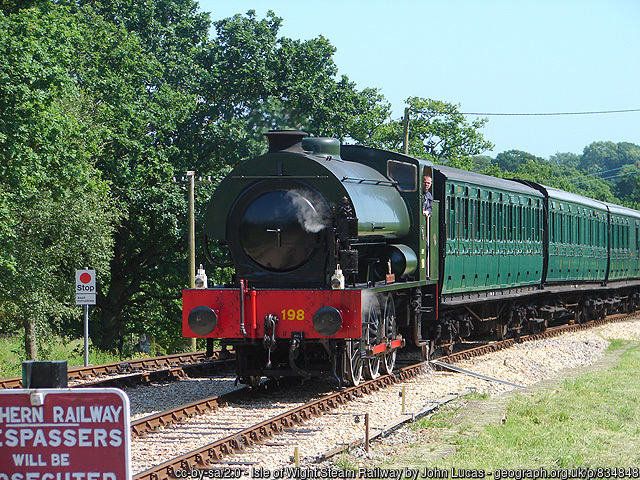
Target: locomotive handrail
(256, 177)
(390, 183)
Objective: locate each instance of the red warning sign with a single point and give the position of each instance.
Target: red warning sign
(85, 288)
(63, 434)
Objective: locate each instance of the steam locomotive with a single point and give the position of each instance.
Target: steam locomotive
(337, 266)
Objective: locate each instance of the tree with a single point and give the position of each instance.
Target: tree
(608, 156)
(628, 186)
(481, 163)
(437, 130)
(511, 160)
(551, 174)
(55, 210)
(566, 159)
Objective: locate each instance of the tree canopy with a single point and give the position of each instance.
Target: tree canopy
(613, 177)
(437, 131)
(56, 212)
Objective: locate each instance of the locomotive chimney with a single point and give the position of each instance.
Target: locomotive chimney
(285, 140)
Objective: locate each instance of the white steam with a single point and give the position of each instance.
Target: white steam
(309, 210)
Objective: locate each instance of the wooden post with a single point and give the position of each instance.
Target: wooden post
(192, 238)
(366, 432)
(191, 181)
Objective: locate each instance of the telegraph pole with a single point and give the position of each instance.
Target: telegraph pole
(191, 182)
(405, 128)
(191, 175)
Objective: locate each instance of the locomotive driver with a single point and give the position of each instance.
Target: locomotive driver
(427, 197)
(427, 207)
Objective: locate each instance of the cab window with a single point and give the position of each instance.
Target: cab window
(405, 174)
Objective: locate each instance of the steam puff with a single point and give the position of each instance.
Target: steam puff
(309, 217)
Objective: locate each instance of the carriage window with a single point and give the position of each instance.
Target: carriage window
(627, 244)
(405, 174)
(452, 217)
(570, 227)
(481, 214)
(466, 219)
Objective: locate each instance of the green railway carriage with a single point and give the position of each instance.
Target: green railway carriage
(492, 231)
(577, 238)
(624, 243)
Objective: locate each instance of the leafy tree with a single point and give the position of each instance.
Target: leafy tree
(511, 160)
(566, 159)
(481, 163)
(437, 130)
(628, 186)
(256, 81)
(608, 156)
(548, 173)
(55, 210)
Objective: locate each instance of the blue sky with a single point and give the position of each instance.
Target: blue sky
(489, 56)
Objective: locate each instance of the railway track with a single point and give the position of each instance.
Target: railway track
(213, 453)
(548, 333)
(132, 372)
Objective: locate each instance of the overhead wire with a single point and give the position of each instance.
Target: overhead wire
(549, 114)
(595, 177)
(600, 173)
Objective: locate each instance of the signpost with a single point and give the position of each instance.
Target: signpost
(49, 434)
(85, 295)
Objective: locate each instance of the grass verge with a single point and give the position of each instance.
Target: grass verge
(591, 421)
(12, 354)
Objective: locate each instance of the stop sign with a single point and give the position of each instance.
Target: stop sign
(85, 281)
(85, 287)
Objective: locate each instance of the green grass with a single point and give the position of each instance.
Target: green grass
(593, 421)
(12, 354)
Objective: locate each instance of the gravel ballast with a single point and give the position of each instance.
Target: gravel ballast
(524, 364)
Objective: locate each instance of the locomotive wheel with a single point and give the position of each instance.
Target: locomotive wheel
(372, 333)
(354, 363)
(353, 360)
(372, 367)
(390, 332)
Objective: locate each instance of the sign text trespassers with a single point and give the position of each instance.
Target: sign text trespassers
(63, 434)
